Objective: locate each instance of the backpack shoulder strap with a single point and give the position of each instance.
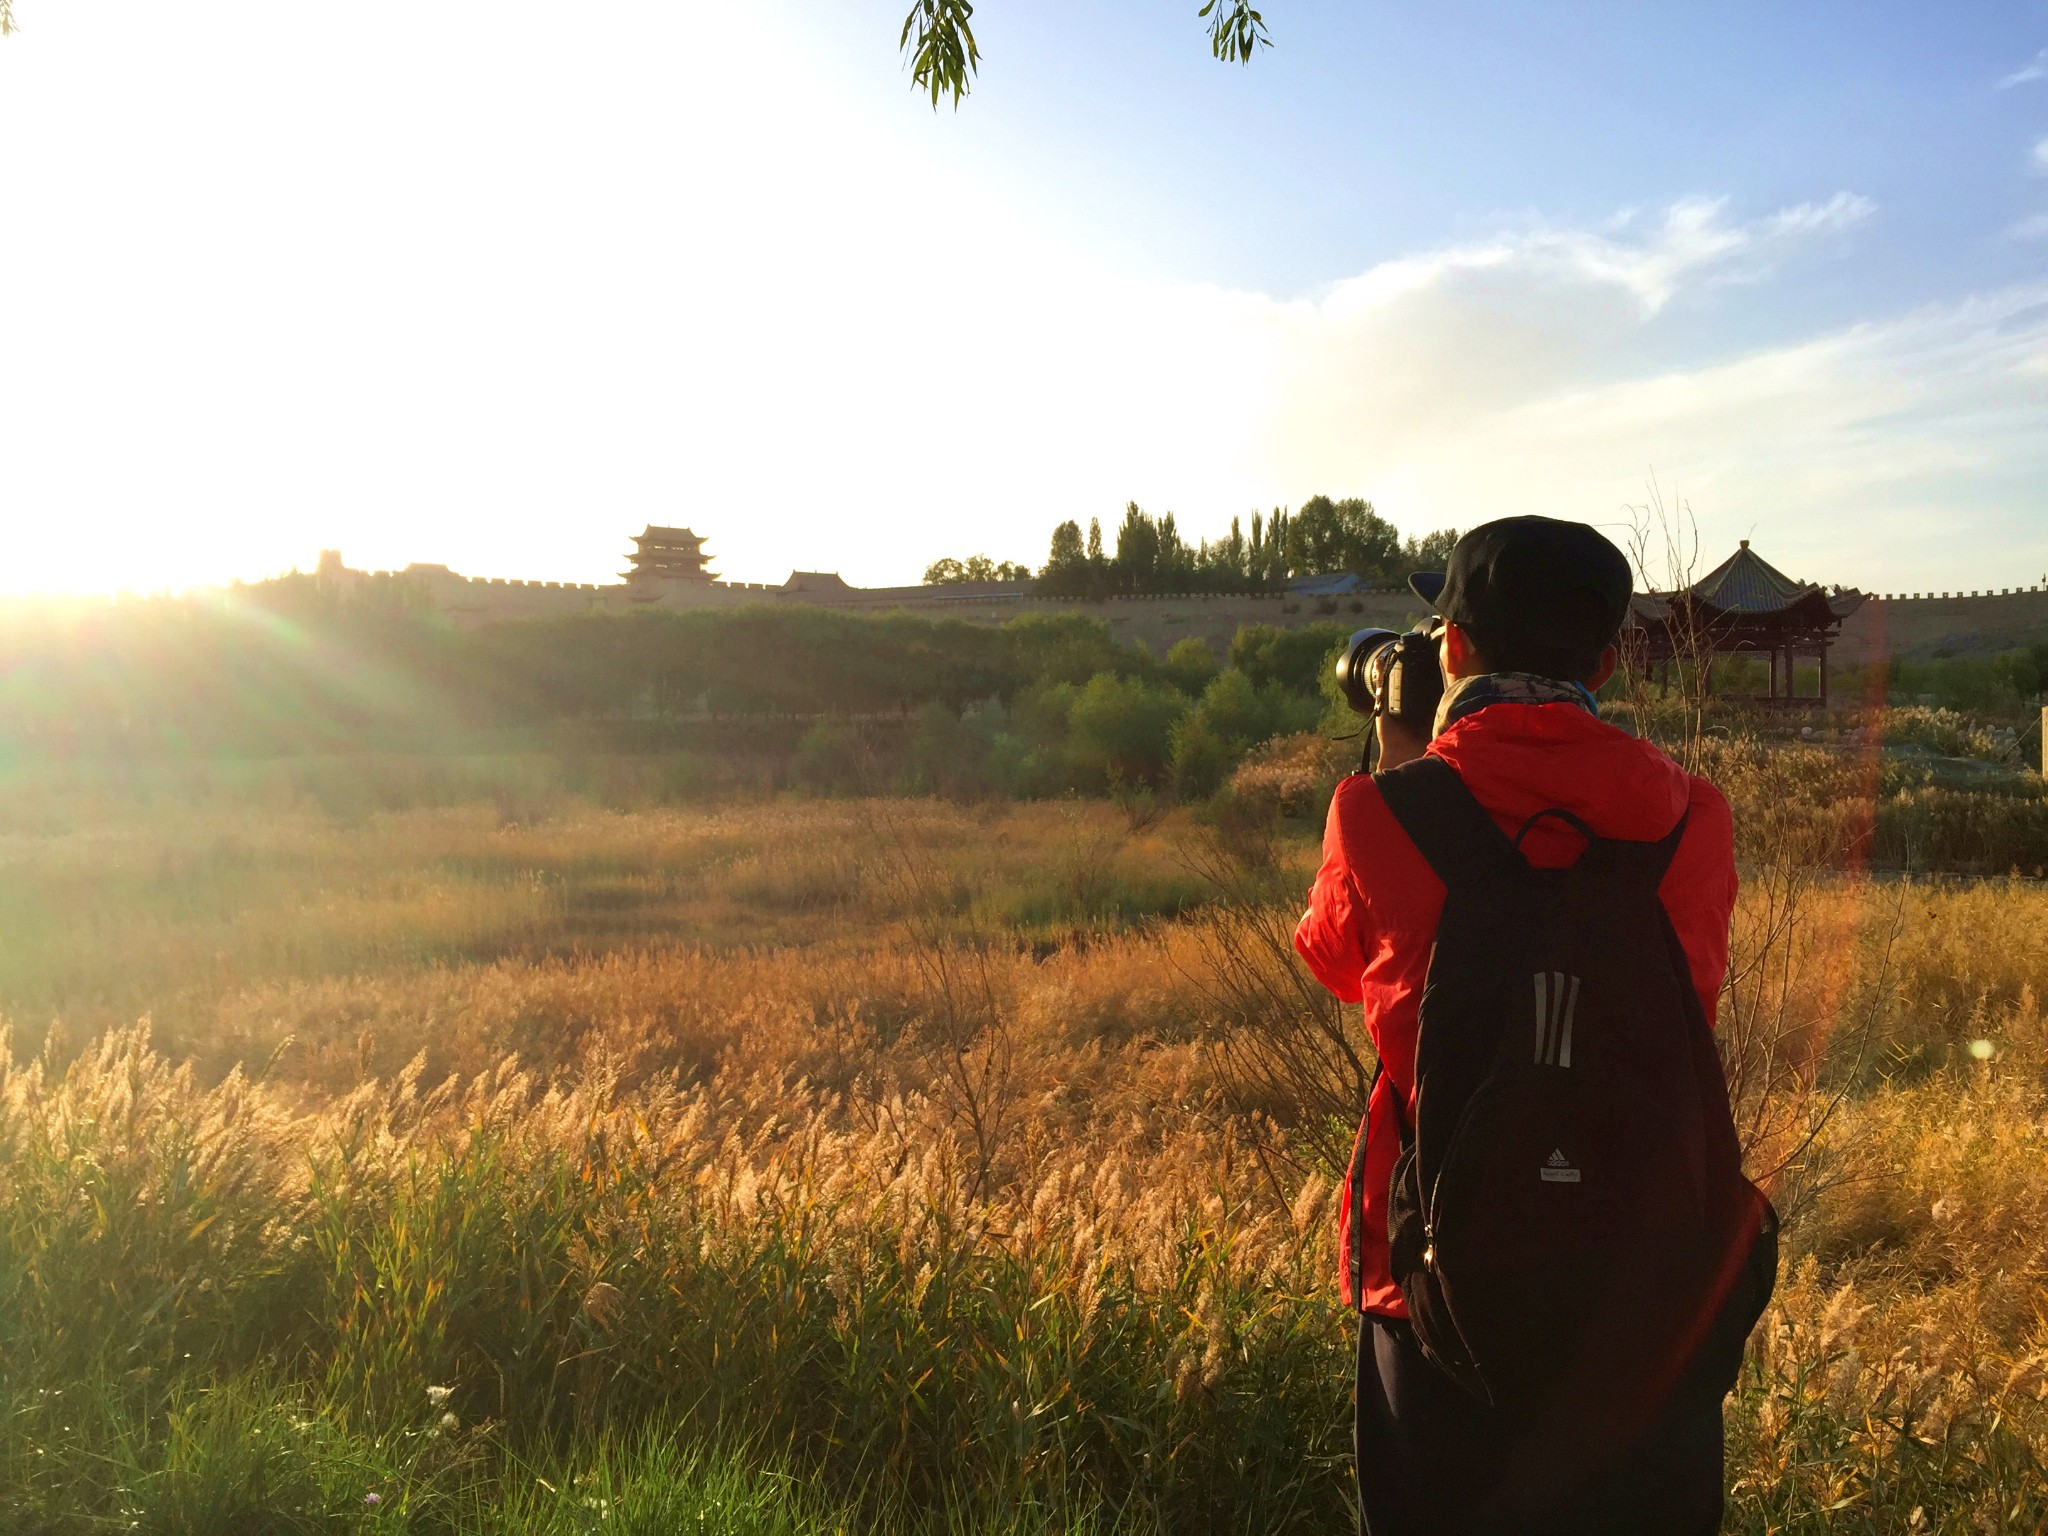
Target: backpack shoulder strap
(1448, 826)
(1644, 863)
(1657, 856)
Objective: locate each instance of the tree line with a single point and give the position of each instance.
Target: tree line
(1050, 703)
(767, 694)
(1322, 537)
(294, 665)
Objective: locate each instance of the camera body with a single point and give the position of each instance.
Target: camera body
(1393, 676)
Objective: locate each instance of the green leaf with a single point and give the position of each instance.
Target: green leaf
(940, 40)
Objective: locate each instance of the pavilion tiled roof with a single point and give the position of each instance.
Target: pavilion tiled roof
(1745, 589)
(1748, 584)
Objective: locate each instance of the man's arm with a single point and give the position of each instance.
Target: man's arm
(1400, 742)
(1328, 937)
(1699, 891)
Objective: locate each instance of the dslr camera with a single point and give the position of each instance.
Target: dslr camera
(1385, 675)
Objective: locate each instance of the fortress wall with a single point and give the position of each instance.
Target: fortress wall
(1883, 625)
(1899, 625)
(1895, 624)
(1160, 622)
(1157, 622)
(478, 600)
(472, 600)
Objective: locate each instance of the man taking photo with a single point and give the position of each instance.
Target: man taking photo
(1545, 1226)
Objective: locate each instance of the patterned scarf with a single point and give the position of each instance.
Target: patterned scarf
(1469, 695)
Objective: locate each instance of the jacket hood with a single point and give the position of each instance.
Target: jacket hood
(1518, 759)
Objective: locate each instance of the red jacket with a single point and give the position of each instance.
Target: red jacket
(1373, 912)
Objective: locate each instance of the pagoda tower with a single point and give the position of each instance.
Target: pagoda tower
(668, 554)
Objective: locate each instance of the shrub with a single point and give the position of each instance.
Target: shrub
(1294, 773)
(1201, 758)
(1946, 731)
(1964, 682)
(1243, 714)
(830, 759)
(1189, 665)
(1232, 716)
(1123, 728)
(948, 753)
(1066, 647)
(1293, 658)
(1952, 829)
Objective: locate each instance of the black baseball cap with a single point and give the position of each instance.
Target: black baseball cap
(1533, 583)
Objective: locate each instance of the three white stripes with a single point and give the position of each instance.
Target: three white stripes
(1554, 1010)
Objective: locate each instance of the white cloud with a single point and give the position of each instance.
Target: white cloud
(1873, 454)
(2033, 227)
(1839, 212)
(1877, 454)
(2041, 155)
(1692, 236)
(2026, 74)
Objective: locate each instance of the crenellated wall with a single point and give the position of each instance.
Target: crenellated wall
(1158, 621)
(1885, 624)
(1900, 624)
(1161, 621)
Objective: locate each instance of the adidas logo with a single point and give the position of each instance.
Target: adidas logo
(1559, 1160)
(1558, 1170)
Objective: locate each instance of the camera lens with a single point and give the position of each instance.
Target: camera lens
(1357, 673)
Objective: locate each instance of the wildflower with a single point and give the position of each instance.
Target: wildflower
(372, 1500)
(439, 1395)
(448, 1421)
(1983, 1050)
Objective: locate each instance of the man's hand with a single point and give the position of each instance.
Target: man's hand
(1400, 742)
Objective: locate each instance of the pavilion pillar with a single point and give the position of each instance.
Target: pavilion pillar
(1823, 675)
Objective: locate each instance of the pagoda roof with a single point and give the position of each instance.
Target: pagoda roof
(1746, 583)
(1746, 591)
(657, 533)
(815, 581)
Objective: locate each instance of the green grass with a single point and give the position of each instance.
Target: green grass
(249, 1456)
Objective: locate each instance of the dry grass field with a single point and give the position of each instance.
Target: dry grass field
(516, 1164)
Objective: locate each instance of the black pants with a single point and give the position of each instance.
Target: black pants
(1434, 1461)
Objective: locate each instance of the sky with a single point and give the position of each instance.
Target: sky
(493, 286)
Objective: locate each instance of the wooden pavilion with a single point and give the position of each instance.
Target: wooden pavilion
(1743, 606)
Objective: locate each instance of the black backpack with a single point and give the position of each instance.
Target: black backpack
(1568, 1220)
